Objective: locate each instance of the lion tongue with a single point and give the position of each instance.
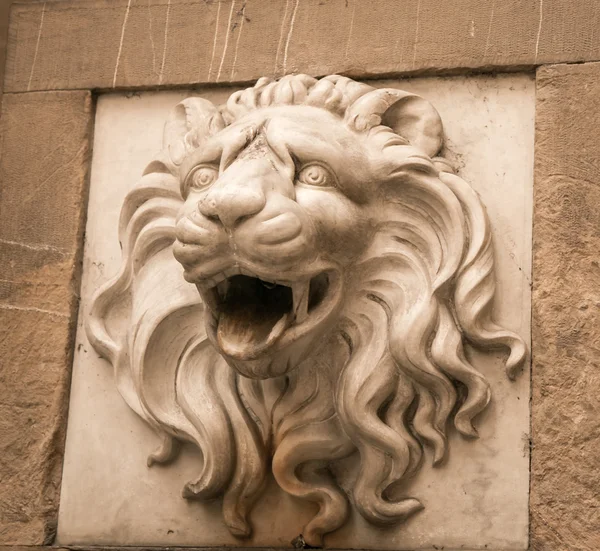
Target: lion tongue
(253, 316)
(247, 333)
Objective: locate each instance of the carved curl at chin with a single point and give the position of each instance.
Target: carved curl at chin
(274, 313)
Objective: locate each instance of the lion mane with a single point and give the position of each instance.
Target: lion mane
(393, 377)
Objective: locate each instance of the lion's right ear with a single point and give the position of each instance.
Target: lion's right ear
(189, 124)
(408, 115)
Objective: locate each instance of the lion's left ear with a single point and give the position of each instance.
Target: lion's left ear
(408, 115)
(189, 123)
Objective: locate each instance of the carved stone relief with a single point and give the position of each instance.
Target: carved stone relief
(301, 275)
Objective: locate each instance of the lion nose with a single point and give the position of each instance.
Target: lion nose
(232, 205)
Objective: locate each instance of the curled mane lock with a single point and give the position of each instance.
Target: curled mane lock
(381, 382)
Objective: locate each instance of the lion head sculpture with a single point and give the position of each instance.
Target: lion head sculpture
(300, 275)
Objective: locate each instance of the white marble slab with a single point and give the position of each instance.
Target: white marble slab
(477, 500)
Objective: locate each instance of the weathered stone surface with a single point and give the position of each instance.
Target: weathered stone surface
(4, 13)
(125, 43)
(36, 276)
(43, 168)
(34, 377)
(565, 469)
(44, 148)
(128, 548)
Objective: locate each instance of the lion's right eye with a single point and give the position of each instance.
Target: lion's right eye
(315, 175)
(202, 177)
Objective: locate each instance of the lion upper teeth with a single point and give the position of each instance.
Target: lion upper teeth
(300, 297)
(222, 288)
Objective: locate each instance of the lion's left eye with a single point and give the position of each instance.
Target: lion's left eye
(202, 177)
(315, 175)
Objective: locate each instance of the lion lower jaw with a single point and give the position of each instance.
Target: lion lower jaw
(286, 355)
(239, 339)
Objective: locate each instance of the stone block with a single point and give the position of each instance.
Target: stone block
(132, 43)
(43, 168)
(565, 464)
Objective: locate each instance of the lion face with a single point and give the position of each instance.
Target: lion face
(334, 270)
(278, 207)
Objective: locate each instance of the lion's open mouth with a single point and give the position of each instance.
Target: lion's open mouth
(252, 314)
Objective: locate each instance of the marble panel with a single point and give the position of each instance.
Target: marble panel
(476, 494)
